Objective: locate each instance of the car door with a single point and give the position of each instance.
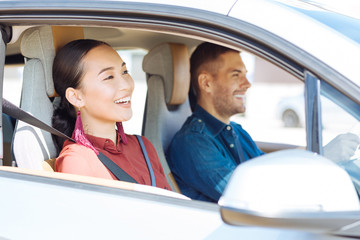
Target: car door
(95, 208)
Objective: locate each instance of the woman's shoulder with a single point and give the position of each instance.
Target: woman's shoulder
(75, 153)
(75, 158)
(70, 147)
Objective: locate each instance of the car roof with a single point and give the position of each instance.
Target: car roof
(349, 8)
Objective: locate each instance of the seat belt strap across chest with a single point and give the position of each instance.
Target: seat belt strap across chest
(120, 174)
(17, 113)
(115, 169)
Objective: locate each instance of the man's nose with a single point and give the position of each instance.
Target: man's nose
(245, 83)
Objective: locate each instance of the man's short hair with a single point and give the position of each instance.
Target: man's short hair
(205, 53)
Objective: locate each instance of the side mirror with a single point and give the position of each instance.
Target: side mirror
(293, 189)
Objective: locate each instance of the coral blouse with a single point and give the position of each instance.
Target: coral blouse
(78, 159)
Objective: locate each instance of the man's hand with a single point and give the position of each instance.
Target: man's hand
(342, 147)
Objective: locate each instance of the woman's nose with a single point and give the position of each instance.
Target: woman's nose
(126, 82)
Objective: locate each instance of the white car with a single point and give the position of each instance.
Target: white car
(291, 111)
(286, 194)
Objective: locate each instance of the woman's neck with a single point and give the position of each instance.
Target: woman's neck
(100, 129)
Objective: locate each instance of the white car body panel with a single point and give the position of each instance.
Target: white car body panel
(81, 211)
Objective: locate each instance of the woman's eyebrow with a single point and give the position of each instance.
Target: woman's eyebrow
(110, 68)
(105, 69)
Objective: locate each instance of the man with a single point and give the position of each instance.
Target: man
(207, 149)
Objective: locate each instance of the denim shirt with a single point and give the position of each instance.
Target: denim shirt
(204, 153)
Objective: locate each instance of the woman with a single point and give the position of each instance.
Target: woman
(95, 90)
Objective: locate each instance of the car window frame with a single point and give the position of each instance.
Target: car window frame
(314, 88)
(193, 22)
(178, 20)
(313, 115)
(4, 40)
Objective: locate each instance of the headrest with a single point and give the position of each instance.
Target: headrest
(43, 42)
(171, 62)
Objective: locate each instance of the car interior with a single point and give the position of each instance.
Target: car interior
(167, 73)
(164, 64)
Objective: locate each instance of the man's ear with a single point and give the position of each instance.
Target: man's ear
(74, 97)
(205, 81)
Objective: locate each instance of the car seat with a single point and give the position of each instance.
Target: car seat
(31, 146)
(167, 70)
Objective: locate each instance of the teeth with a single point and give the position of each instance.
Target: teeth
(240, 95)
(123, 100)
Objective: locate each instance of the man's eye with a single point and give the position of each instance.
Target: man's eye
(125, 72)
(109, 77)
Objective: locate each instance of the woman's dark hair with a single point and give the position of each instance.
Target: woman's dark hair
(67, 72)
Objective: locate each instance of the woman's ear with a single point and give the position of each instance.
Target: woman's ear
(74, 97)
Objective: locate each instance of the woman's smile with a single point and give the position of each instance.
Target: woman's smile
(124, 100)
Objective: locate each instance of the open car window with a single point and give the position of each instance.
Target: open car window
(275, 110)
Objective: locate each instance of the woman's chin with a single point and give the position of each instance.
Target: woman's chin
(125, 117)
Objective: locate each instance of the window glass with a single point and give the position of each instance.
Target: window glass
(340, 119)
(133, 59)
(275, 107)
(335, 120)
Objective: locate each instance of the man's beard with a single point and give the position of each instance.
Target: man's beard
(225, 107)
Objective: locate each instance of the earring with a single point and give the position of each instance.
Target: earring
(79, 134)
(120, 130)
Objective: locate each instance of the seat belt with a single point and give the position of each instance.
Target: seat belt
(121, 174)
(16, 112)
(148, 163)
(115, 169)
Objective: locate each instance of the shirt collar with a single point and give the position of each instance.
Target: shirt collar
(214, 125)
(105, 143)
